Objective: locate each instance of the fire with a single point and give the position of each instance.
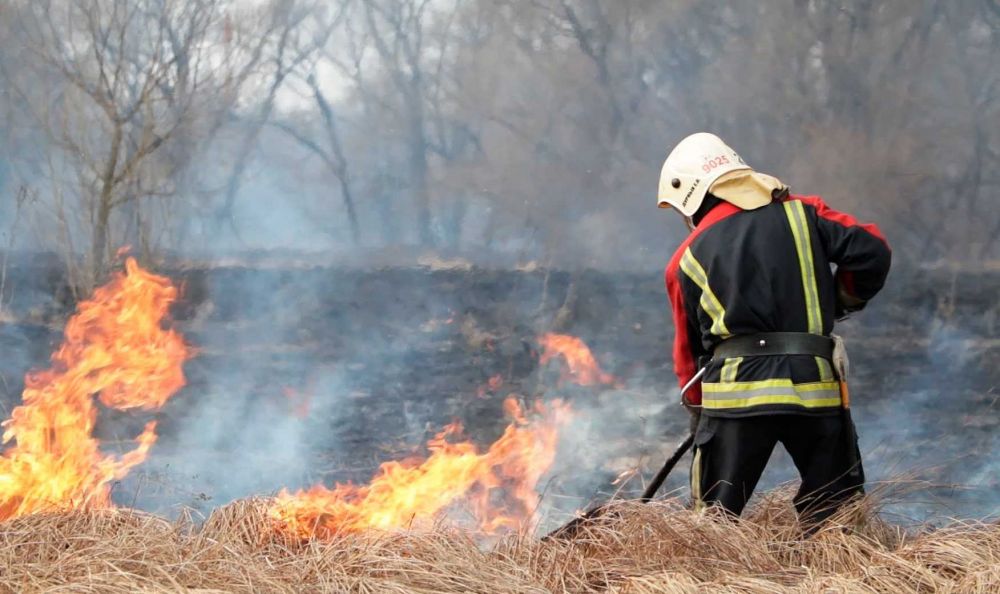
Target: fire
(498, 485)
(581, 366)
(116, 350)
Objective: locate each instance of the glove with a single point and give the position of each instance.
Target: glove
(695, 413)
(841, 363)
(846, 304)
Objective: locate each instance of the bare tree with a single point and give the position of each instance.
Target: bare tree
(399, 32)
(288, 42)
(134, 78)
(323, 141)
(392, 60)
(330, 150)
(534, 127)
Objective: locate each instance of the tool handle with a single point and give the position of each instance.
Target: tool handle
(845, 395)
(657, 482)
(692, 382)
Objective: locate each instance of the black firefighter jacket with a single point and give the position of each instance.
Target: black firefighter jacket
(769, 270)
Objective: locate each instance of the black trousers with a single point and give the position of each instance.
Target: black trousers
(730, 455)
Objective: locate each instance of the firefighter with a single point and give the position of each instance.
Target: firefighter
(755, 289)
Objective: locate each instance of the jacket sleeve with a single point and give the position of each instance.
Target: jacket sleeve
(687, 337)
(859, 250)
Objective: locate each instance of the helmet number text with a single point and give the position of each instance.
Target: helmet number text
(715, 163)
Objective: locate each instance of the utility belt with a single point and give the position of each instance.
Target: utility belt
(775, 343)
(727, 394)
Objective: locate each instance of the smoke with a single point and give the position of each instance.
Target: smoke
(311, 375)
(299, 379)
(318, 375)
(233, 441)
(935, 420)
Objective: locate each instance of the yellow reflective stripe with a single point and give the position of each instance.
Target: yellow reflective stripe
(772, 383)
(770, 399)
(729, 370)
(696, 480)
(803, 246)
(776, 391)
(709, 302)
(825, 370)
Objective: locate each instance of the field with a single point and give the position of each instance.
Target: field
(659, 547)
(304, 375)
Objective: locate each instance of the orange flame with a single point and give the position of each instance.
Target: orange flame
(114, 348)
(581, 366)
(498, 485)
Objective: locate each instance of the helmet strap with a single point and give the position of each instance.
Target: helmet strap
(689, 223)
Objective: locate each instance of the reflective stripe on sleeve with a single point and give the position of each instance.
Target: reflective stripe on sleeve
(778, 391)
(709, 302)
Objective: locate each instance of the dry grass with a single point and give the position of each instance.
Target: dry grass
(660, 547)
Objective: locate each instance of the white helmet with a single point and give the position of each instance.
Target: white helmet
(701, 163)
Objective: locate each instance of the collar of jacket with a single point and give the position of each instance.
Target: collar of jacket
(721, 211)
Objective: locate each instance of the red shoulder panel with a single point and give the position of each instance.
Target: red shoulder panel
(841, 218)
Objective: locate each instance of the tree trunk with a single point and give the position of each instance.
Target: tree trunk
(339, 161)
(418, 169)
(99, 239)
(352, 214)
(99, 233)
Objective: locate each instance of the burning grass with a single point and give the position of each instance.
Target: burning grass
(115, 351)
(659, 547)
(58, 530)
(406, 494)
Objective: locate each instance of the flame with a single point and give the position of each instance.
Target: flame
(114, 348)
(498, 485)
(581, 366)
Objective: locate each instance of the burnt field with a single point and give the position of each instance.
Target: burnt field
(310, 374)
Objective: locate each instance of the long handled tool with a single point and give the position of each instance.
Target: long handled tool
(570, 529)
(668, 466)
(842, 365)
